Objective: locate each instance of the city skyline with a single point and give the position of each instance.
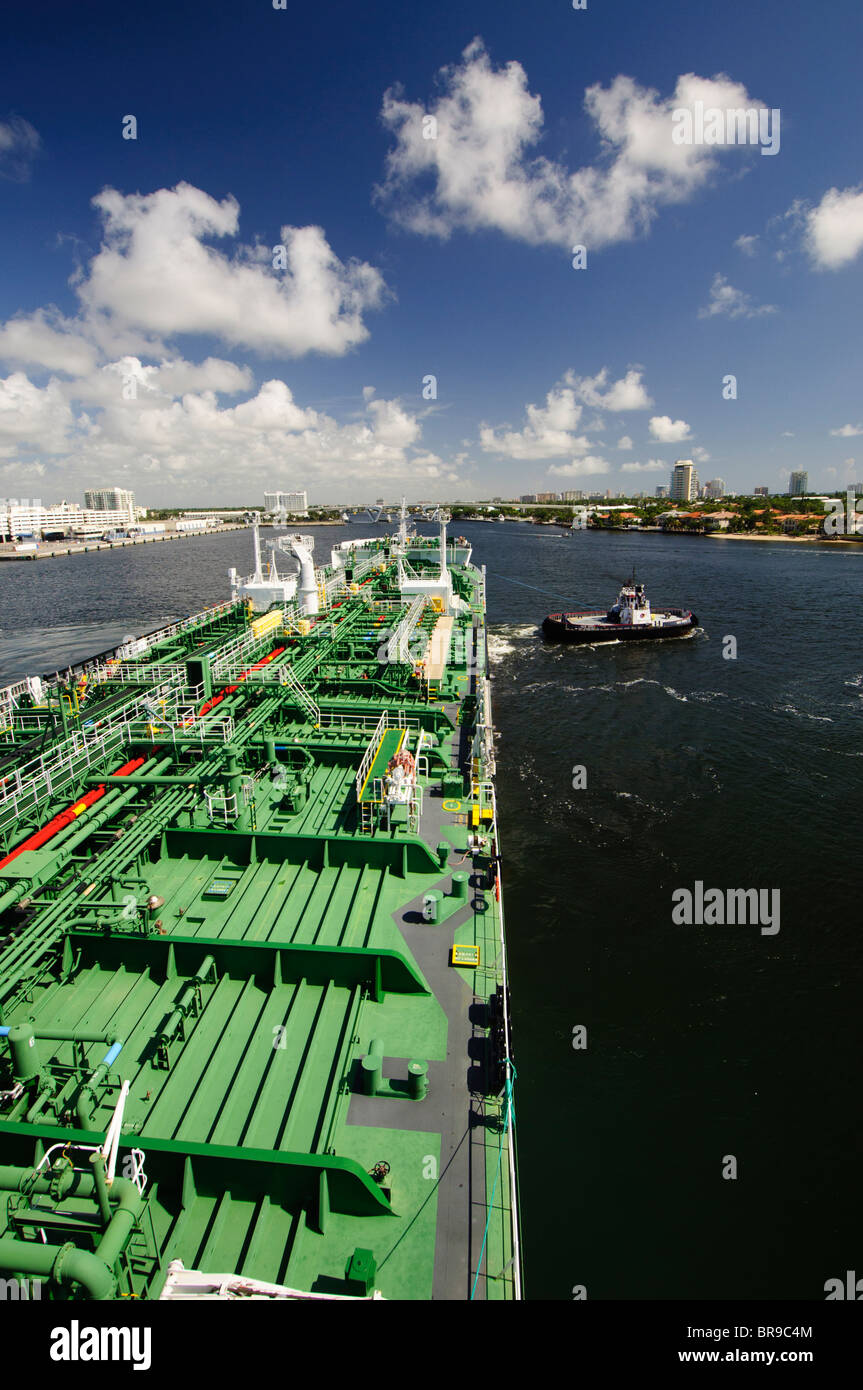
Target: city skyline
(198, 309)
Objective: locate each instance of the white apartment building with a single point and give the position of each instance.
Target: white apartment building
(111, 499)
(684, 481)
(295, 502)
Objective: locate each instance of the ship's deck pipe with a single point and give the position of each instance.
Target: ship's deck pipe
(70, 841)
(147, 779)
(87, 1093)
(31, 945)
(64, 818)
(94, 1271)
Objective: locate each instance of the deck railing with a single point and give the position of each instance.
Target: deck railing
(398, 647)
(371, 750)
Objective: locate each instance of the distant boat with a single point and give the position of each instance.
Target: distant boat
(629, 619)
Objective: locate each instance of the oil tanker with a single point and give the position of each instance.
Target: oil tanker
(255, 1034)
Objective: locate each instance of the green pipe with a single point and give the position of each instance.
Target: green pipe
(66, 1264)
(83, 1109)
(17, 957)
(34, 943)
(82, 1035)
(81, 832)
(99, 1179)
(183, 1005)
(46, 1093)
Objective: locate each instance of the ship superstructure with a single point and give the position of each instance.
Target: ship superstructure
(254, 1015)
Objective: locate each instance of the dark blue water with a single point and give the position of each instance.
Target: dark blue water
(703, 1041)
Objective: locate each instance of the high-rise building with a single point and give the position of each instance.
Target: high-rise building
(295, 502)
(662, 490)
(573, 495)
(799, 484)
(761, 492)
(684, 481)
(111, 499)
(715, 487)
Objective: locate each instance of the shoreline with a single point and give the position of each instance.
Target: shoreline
(790, 540)
(729, 536)
(48, 549)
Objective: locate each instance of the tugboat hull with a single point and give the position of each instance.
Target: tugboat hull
(593, 627)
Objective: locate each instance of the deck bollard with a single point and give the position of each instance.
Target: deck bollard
(418, 1081)
(371, 1067)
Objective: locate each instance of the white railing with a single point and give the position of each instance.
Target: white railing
(222, 806)
(291, 617)
(9, 694)
(371, 750)
(328, 588)
(242, 652)
(229, 654)
(407, 568)
(398, 647)
(488, 790)
(365, 567)
(182, 728)
(138, 673)
(299, 692)
(26, 721)
(362, 723)
(52, 773)
(152, 639)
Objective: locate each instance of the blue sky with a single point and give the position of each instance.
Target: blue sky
(152, 339)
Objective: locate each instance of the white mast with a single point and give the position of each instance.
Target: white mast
(444, 518)
(256, 542)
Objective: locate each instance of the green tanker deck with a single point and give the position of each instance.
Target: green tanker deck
(255, 1028)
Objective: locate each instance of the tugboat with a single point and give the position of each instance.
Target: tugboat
(630, 619)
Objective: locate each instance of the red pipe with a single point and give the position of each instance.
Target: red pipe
(229, 689)
(64, 818)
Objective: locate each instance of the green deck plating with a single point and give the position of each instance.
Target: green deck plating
(237, 1058)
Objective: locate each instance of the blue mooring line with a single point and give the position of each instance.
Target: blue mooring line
(521, 582)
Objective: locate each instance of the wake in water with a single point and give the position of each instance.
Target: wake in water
(503, 637)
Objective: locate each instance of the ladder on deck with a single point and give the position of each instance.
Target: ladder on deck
(302, 697)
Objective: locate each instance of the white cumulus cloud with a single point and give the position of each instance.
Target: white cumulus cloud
(847, 431)
(747, 244)
(105, 394)
(629, 393)
(668, 431)
(834, 229)
(28, 412)
(652, 466)
(725, 299)
(548, 433)
(580, 468)
(156, 272)
(482, 169)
